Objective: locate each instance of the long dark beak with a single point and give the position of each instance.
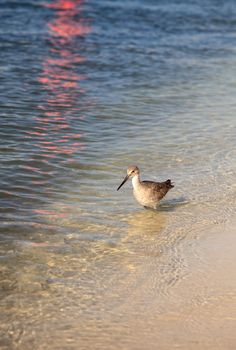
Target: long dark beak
(123, 182)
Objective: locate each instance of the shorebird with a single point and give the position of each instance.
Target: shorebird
(147, 193)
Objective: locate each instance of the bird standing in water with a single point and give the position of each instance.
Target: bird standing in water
(147, 193)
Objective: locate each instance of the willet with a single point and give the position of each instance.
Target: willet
(147, 193)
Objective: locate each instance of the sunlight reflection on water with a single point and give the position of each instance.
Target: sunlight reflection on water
(89, 88)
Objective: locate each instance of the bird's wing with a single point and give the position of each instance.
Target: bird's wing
(159, 188)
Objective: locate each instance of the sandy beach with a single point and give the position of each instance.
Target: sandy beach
(88, 89)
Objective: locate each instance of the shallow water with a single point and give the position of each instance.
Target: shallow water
(88, 88)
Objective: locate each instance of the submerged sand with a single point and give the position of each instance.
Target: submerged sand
(157, 289)
(199, 312)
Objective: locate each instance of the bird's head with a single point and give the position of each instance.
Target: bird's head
(131, 172)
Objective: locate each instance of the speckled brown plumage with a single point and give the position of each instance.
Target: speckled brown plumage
(147, 193)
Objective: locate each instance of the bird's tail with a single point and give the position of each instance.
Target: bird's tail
(169, 183)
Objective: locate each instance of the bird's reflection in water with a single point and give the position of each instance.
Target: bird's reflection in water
(143, 230)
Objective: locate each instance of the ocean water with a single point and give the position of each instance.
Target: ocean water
(87, 89)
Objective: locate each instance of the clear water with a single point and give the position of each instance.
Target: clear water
(88, 88)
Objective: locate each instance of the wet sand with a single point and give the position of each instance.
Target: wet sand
(148, 280)
(179, 298)
(199, 312)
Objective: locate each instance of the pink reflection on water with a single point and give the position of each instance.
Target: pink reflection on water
(50, 213)
(61, 81)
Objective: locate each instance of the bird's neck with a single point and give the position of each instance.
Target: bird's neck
(136, 181)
